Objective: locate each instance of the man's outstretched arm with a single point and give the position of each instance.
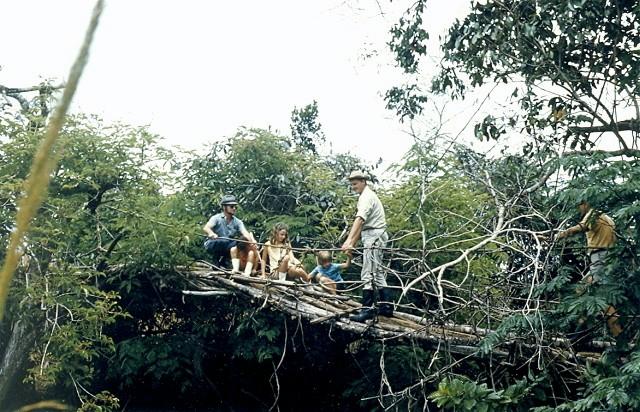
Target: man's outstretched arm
(354, 234)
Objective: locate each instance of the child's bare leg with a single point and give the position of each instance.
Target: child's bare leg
(297, 272)
(283, 268)
(284, 264)
(327, 284)
(249, 267)
(235, 262)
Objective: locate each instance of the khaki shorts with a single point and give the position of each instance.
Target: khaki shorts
(596, 265)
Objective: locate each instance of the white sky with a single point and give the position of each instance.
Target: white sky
(195, 71)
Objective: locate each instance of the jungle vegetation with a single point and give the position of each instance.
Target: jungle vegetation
(96, 318)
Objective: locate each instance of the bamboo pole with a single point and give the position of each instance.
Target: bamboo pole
(44, 162)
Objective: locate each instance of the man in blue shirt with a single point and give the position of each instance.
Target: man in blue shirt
(222, 231)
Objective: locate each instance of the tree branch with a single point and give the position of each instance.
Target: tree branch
(625, 125)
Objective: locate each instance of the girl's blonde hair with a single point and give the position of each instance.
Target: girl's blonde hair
(277, 228)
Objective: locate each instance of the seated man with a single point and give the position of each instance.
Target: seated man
(327, 273)
(221, 230)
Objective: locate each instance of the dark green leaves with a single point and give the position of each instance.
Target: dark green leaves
(306, 130)
(408, 38)
(489, 129)
(464, 395)
(408, 101)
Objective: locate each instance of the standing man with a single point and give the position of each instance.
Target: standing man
(222, 230)
(600, 232)
(370, 225)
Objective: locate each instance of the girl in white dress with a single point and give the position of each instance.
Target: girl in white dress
(278, 255)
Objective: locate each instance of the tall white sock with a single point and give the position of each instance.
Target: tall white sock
(247, 269)
(235, 265)
(282, 275)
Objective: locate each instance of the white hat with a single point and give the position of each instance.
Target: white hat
(358, 174)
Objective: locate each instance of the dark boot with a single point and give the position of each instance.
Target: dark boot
(367, 311)
(386, 302)
(224, 262)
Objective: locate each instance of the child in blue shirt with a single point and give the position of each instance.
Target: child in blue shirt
(327, 273)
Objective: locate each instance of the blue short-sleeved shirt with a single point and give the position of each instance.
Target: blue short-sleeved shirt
(332, 272)
(218, 223)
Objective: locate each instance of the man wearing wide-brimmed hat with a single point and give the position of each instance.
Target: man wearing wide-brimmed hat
(222, 231)
(369, 225)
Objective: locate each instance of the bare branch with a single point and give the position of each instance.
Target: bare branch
(622, 126)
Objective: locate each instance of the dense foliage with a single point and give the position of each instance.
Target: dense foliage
(100, 293)
(571, 70)
(96, 315)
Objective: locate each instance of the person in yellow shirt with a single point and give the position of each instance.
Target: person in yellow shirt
(600, 232)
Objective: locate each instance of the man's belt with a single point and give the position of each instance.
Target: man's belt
(366, 229)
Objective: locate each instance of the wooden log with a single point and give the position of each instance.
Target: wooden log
(333, 316)
(422, 320)
(430, 341)
(430, 333)
(292, 307)
(306, 287)
(207, 292)
(335, 311)
(317, 300)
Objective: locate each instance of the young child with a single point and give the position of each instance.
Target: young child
(327, 273)
(248, 255)
(278, 255)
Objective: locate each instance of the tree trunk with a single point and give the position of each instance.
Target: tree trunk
(14, 356)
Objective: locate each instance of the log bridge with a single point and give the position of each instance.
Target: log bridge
(311, 302)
